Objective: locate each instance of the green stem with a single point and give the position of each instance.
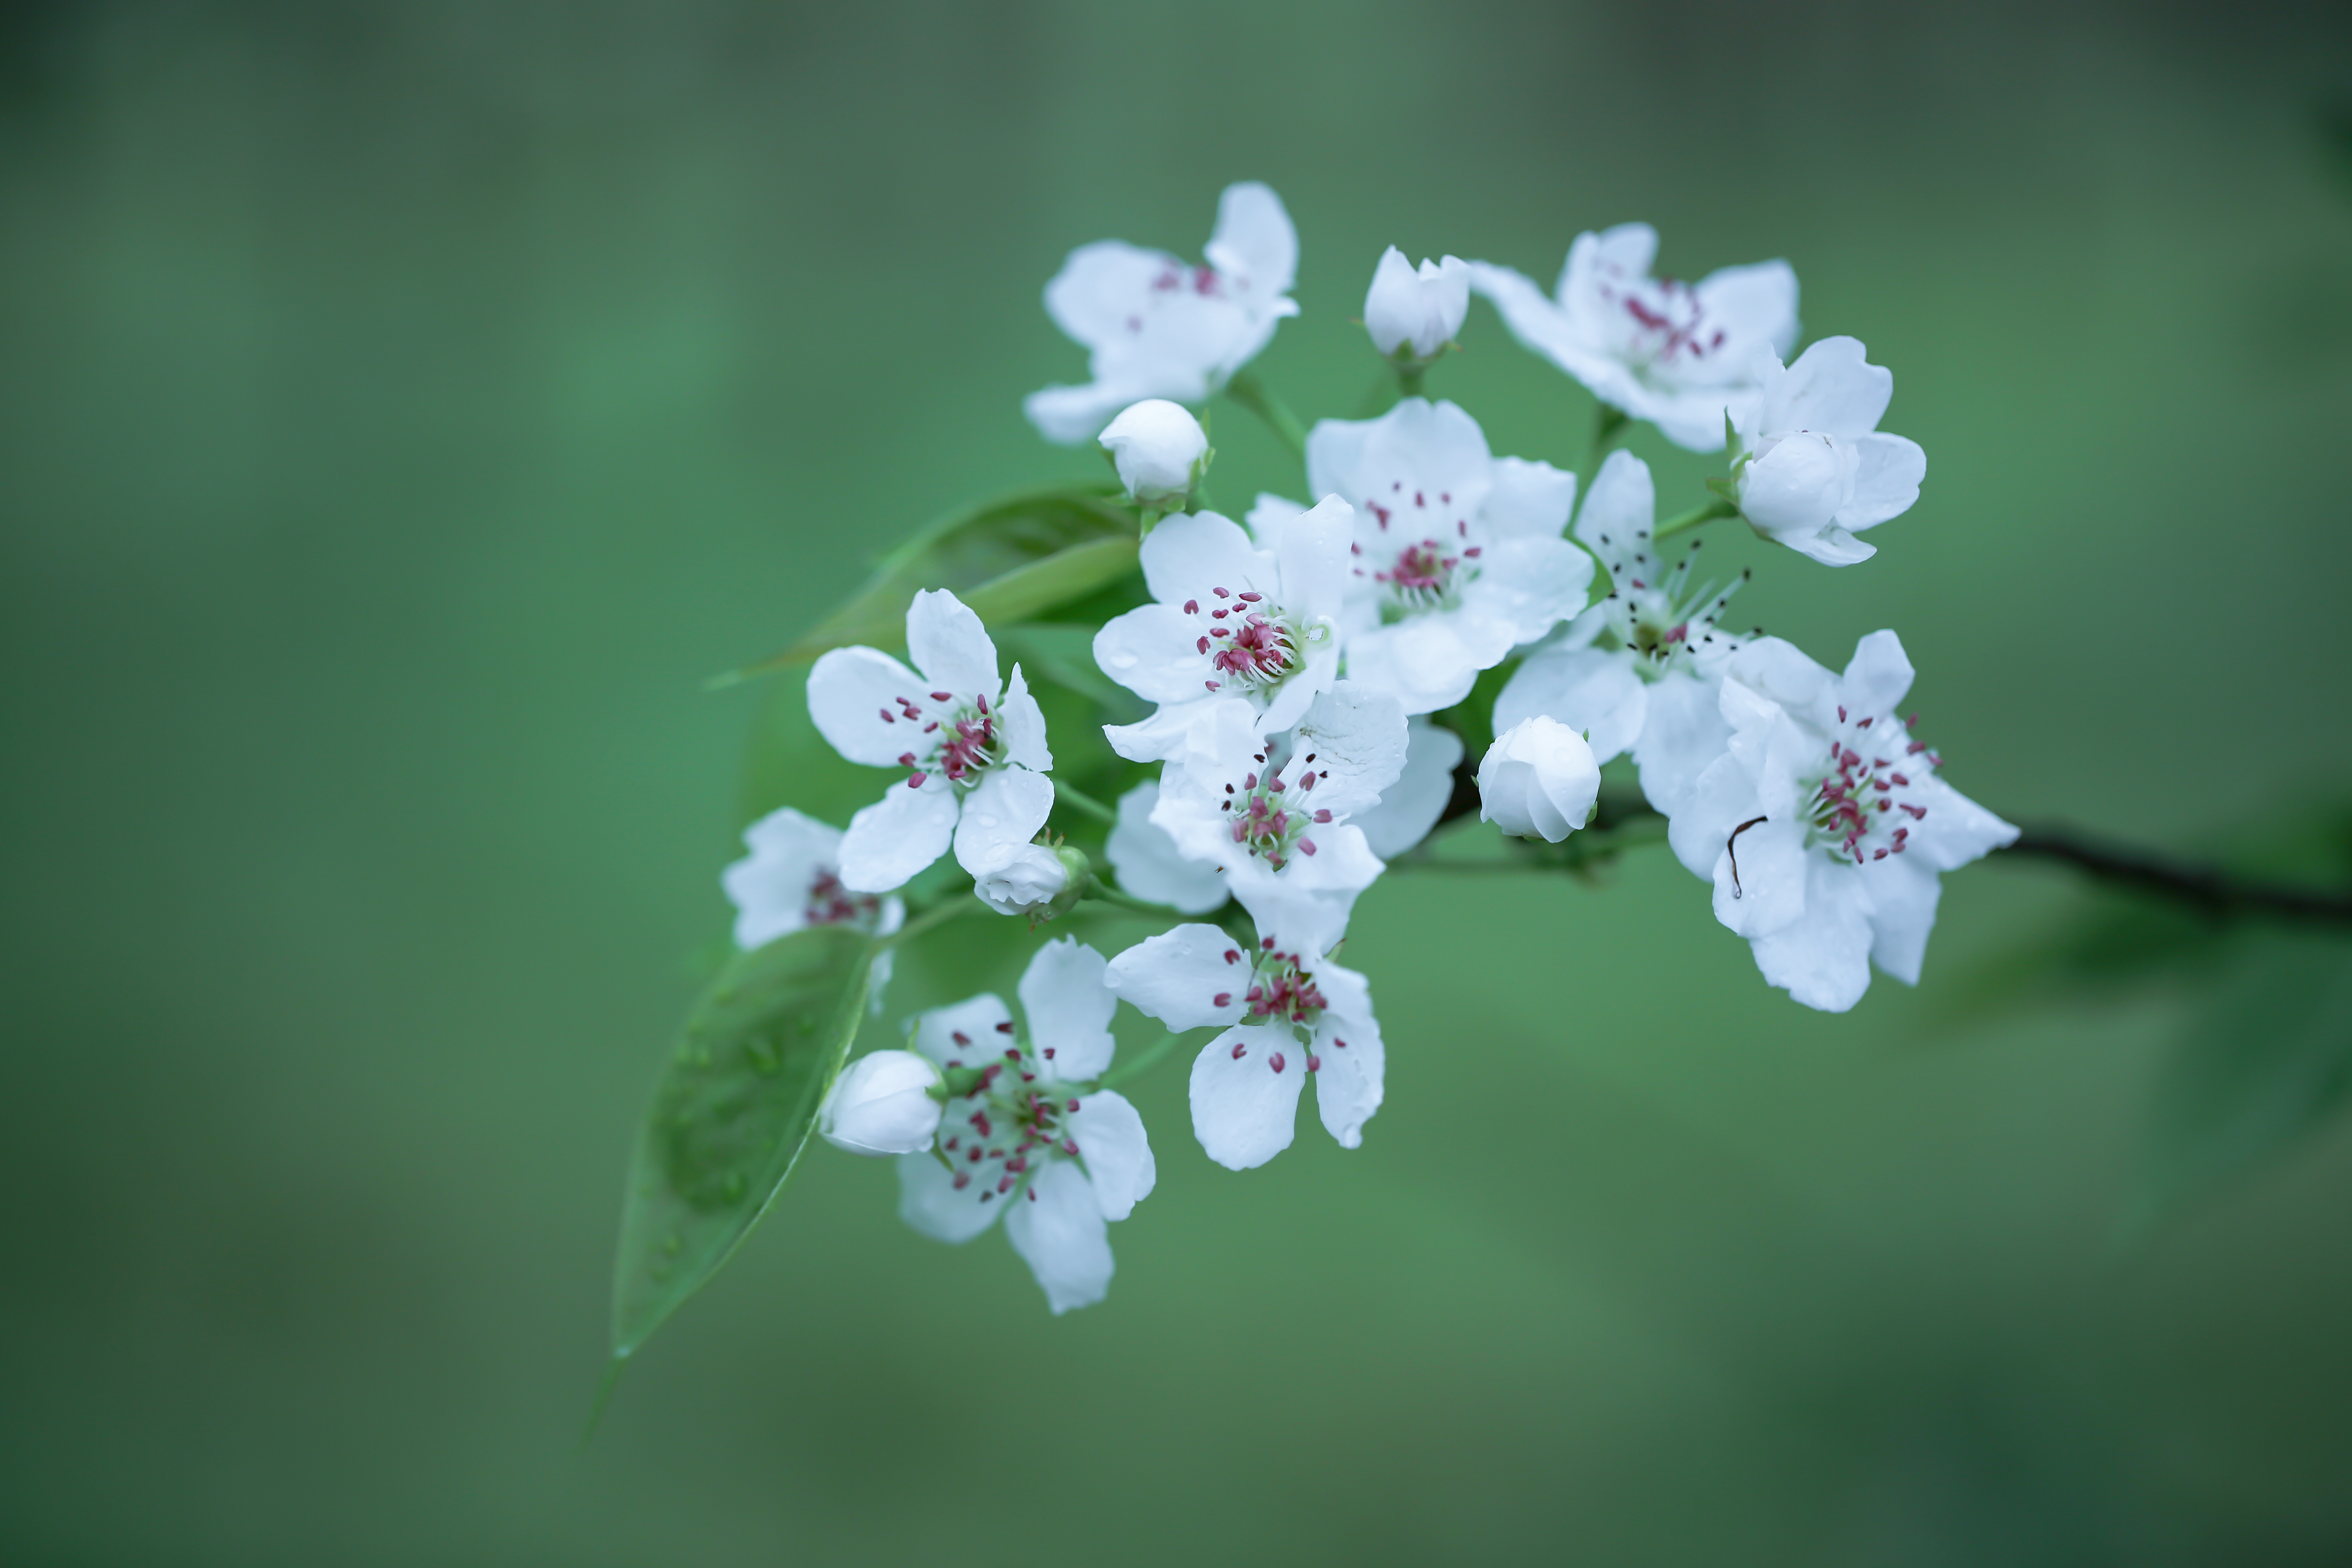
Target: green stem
(1084, 802)
(939, 914)
(1606, 424)
(1103, 892)
(1245, 389)
(1692, 518)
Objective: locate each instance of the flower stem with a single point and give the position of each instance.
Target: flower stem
(1103, 892)
(1245, 389)
(1606, 424)
(946, 909)
(1692, 518)
(1084, 802)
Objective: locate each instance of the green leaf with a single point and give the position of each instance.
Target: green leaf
(2267, 1062)
(1010, 560)
(728, 1119)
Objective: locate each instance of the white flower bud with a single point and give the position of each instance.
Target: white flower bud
(1798, 482)
(1025, 883)
(882, 1105)
(1424, 308)
(1539, 780)
(1155, 445)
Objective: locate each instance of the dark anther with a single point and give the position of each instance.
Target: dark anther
(1730, 848)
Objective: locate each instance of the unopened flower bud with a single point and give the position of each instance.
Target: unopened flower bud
(882, 1105)
(1424, 308)
(1158, 446)
(1798, 482)
(1031, 880)
(1539, 780)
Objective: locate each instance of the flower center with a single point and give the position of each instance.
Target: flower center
(1271, 818)
(1421, 575)
(1661, 326)
(1857, 810)
(1663, 619)
(1008, 1123)
(1280, 992)
(1249, 643)
(963, 740)
(831, 904)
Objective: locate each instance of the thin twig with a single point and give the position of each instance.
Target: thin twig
(2210, 888)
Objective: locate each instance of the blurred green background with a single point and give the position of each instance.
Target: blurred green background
(407, 405)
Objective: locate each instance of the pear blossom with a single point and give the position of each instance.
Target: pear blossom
(1271, 812)
(1457, 557)
(1823, 825)
(1815, 468)
(1410, 807)
(792, 878)
(1149, 864)
(882, 1104)
(1157, 447)
(1155, 326)
(1288, 1014)
(1423, 309)
(1538, 781)
(1641, 669)
(1680, 355)
(1023, 1135)
(1229, 619)
(973, 753)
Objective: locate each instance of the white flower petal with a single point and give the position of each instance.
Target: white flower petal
(1245, 1112)
(1351, 1063)
(1270, 517)
(852, 700)
(1888, 473)
(1001, 814)
(1069, 1009)
(929, 1201)
(1094, 294)
(1357, 736)
(1594, 693)
(1154, 444)
(1188, 977)
(1022, 882)
(882, 1104)
(770, 887)
(1721, 798)
(1186, 555)
(1255, 241)
(1877, 678)
(1022, 724)
(1410, 807)
(966, 1034)
(1149, 864)
(1312, 552)
(1824, 960)
(1682, 732)
(1526, 587)
(1529, 499)
(1056, 1227)
(1067, 416)
(899, 836)
(1833, 546)
(949, 645)
(1402, 464)
(1421, 662)
(1904, 890)
(1152, 651)
(1111, 1138)
(1761, 879)
(1539, 780)
(1831, 389)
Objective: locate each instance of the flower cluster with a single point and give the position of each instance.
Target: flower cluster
(1316, 673)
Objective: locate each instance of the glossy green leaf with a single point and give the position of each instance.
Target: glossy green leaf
(733, 1108)
(1010, 560)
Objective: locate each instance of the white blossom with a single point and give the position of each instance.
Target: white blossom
(792, 878)
(1457, 554)
(1149, 864)
(1271, 812)
(1815, 468)
(1823, 825)
(973, 753)
(1157, 447)
(1538, 781)
(1423, 309)
(1680, 355)
(1230, 619)
(882, 1104)
(1029, 1138)
(1155, 326)
(1641, 669)
(1288, 1014)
